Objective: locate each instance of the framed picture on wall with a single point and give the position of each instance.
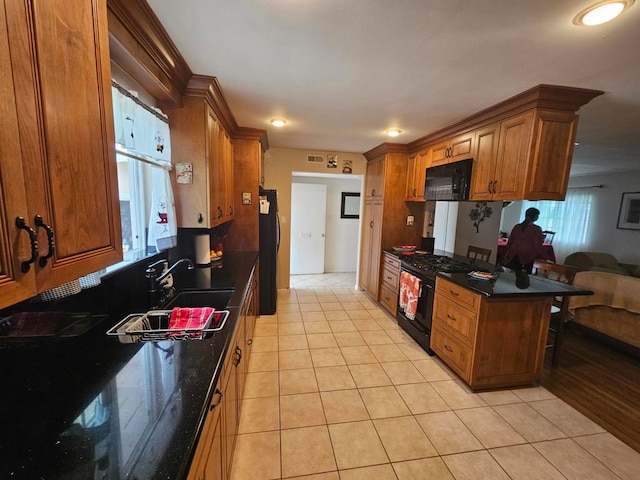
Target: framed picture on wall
(629, 216)
(350, 207)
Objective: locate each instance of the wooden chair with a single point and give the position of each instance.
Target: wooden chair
(559, 273)
(548, 236)
(478, 253)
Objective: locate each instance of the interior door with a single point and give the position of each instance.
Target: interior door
(308, 220)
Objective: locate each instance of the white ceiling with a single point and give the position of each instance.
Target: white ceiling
(343, 71)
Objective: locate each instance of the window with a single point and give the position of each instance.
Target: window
(143, 156)
(569, 219)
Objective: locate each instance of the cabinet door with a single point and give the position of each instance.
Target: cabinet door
(241, 367)
(461, 147)
(416, 166)
(60, 56)
(230, 410)
(439, 153)
(375, 179)
(513, 153)
(214, 466)
(14, 244)
(367, 235)
(228, 178)
(216, 197)
(411, 181)
(423, 162)
(376, 252)
(484, 163)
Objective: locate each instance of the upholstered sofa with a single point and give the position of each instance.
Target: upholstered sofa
(601, 262)
(613, 309)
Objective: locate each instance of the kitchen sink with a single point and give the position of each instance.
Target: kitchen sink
(156, 325)
(217, 299)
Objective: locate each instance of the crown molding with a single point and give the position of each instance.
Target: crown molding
(385, 148)
(140, 45)
(256, 134)
(544, 97)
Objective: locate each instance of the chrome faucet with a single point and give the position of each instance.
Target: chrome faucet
(159, 291)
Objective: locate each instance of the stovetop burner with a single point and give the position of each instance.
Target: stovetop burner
(437, 263)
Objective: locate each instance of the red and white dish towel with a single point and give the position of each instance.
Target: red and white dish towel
(410, 289)
(189, 318)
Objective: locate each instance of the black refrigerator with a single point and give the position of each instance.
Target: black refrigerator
(269, 246)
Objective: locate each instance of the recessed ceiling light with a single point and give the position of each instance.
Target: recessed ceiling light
(278, 122)
(393, 132)
(602, 12)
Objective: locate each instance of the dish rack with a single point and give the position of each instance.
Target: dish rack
(153, 326)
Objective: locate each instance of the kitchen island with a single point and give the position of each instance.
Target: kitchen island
(91, 407)
(493, 333)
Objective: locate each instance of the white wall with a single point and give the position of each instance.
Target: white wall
(341, 241)
(488, 230)
(279, 165)
(603, 234)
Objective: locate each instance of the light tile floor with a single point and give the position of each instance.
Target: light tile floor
(336, 390)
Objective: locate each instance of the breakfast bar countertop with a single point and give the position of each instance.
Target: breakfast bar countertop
(92, 407)
(504, 285)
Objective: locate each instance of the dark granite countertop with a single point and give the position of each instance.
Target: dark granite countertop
(504, 285)
(91, 407)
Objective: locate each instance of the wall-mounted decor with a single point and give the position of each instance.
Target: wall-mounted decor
(629, 216)
(332, 160)
(478, 214)
(350, 207)
(246, 198)
(184, 173)
(346, 166)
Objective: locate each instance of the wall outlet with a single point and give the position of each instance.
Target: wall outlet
(410, 220)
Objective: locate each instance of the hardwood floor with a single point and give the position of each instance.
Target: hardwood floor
(601, 382)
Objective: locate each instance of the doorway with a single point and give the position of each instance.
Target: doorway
(308, 223)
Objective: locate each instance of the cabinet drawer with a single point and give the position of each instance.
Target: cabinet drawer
(391, 263)
(460, 295)
(391, 279)
(459, 319)
(453, 352)
(389, 299)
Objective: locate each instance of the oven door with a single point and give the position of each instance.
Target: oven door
(425, 303)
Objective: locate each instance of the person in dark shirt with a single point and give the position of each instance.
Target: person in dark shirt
(525, 243)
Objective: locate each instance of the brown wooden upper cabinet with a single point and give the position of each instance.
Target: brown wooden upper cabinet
(375, 179)
(524, 156)
(452, 149)
(416, 165)
(197, 137)
(57, 142)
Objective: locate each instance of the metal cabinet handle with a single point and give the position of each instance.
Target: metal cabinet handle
(455, 294)
(250, 341)
(21, 224)
(38, 220)
(238, 356)
(230, 210)
(452, 318)
(489, 186)
(495, 184)
(371, 224)
(448, 348)
(214, 405)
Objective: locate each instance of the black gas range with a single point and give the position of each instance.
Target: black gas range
(425, 267)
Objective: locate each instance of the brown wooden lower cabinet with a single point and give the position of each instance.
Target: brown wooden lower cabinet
(490, 342)
(214, 454)
(209, 461)
(390, 283)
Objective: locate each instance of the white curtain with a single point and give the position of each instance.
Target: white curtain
(570, 220)
(143, 134)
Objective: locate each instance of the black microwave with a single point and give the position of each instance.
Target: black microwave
(449, 182)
